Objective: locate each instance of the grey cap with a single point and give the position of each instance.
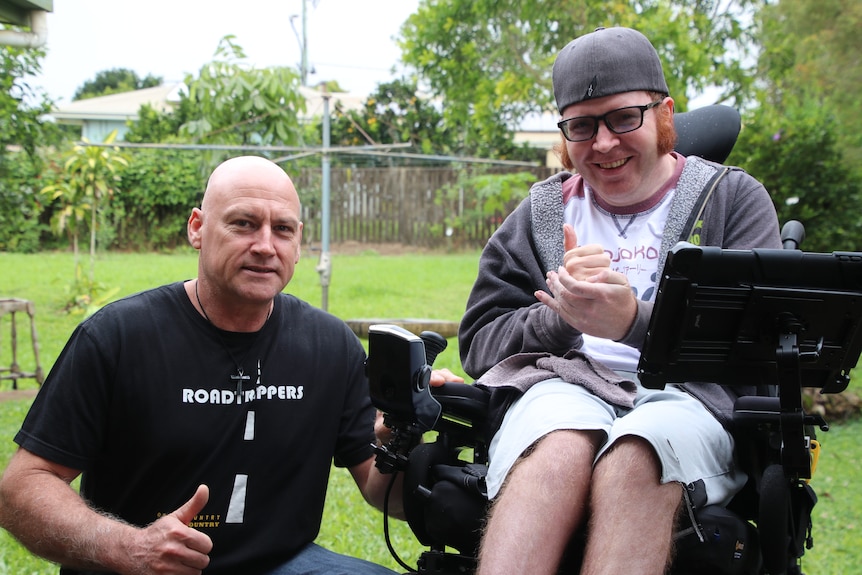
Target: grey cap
(606, 62)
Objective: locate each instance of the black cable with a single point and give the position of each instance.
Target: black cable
(386, 526)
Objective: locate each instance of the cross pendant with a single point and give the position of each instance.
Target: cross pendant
(239, 378)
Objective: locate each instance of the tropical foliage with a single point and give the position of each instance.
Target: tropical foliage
(802, 135)
(239, 104)
(24, 133)
(490, 60)
(478, 67)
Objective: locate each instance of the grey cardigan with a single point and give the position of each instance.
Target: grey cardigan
(503, 317)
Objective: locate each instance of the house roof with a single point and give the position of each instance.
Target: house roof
(538, 128)
(119, 107)
(125, 106)
(17, 11)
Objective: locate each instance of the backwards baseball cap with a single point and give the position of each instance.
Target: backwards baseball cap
(605, 62)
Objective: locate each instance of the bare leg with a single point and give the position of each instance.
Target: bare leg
(632, 515)
(540, 506)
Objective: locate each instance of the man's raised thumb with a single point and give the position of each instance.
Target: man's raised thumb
(187, 511)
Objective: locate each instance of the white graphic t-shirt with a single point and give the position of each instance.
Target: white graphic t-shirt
(632, 238)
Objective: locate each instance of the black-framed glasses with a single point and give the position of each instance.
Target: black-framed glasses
(619, 121)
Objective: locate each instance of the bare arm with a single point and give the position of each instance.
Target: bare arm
(38, 506)
(374, 484)
(503, 316)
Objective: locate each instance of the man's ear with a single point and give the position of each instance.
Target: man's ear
(193, 229)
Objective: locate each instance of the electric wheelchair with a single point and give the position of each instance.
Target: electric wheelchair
(778, 319)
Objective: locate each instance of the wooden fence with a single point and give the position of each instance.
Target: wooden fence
(411, 206)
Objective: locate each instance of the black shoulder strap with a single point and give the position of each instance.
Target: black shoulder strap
(697, 211)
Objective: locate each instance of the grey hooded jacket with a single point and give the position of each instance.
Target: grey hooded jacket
(504, 318)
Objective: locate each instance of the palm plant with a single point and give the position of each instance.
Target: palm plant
(90, 176)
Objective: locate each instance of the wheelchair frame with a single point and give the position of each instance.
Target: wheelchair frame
(805, 345)
(781, 319)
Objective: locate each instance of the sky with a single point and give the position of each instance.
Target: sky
(351, 41)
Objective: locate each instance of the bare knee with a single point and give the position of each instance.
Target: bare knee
(631, 459)
(560, 451)
(629, 474)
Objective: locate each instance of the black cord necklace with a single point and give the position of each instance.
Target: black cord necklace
(240, 376)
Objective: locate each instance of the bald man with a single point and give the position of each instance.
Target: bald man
(203, 416)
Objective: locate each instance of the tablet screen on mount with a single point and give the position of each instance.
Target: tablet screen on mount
(720, 316)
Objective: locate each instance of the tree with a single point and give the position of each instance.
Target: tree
(491, 60)
(802, 140)
(158, 187)
(115, 81)
(794, 152)
(238, 104)
(23, 131)
(70, 209)
(90, 176)
(397, 113)
(812, 47)
(393, 114)
(228, 103)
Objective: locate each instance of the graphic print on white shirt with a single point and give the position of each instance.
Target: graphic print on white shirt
(633, 242)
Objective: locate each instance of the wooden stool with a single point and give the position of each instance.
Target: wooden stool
(13, 372)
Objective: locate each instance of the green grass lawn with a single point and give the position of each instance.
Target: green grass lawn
(366, 285)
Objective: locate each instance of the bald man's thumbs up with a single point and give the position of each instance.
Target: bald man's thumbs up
(169, 546)
(186, 513)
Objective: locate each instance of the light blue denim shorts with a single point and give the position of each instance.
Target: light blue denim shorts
(691, 444)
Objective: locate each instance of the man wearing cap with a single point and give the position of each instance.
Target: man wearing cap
(582, 452)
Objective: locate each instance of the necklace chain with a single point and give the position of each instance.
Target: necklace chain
(201, 304)
(240, 371)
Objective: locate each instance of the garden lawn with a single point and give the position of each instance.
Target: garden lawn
(364, 285)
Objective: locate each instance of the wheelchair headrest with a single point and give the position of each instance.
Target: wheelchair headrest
(709, 132)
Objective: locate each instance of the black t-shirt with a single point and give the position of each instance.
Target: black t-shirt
(143, 399)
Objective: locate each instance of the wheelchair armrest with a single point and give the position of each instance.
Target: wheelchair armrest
(463, 400)
(750, 410)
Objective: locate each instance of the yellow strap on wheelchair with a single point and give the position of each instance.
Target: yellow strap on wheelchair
(814, 448)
